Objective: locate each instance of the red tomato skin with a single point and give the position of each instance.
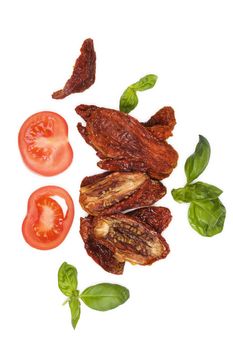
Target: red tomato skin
(32, 216)
(64, 152)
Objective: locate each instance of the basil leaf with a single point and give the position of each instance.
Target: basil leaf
(196, 192)
(128, 101)
(67, 279)
(104, 296)
(198, 161)
(75, 310)
(207, 217)
(145, 83)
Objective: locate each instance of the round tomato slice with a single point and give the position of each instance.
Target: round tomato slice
(45, 225)
(43, 143)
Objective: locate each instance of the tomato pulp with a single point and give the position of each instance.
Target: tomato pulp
(45, 225)
(43, 143)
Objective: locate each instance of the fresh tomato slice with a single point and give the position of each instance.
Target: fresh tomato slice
(43, 143)
(45, 225)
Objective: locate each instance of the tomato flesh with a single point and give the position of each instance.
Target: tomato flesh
(43, 143)
(50, 219)
(45, 225)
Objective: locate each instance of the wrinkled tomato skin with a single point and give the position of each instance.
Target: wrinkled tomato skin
(32, 216)
(61, 153)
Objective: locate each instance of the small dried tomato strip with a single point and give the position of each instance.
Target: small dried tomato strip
(83, 75)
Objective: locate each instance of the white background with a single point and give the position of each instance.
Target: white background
(185, 301)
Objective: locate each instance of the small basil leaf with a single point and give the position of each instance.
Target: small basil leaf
(67, 279)
(75, 310)
(198, 161)
(128, 101)
(145, 83)
(207, 217)
(180, 195)
(104, 296)
(196, 192)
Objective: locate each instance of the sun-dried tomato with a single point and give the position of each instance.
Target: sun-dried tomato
(101, 254)
(157, 217)
(161, 123)
(83, 75)
(114, 239)
(110, 193)
(124, 144)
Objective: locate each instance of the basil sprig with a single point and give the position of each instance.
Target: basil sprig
(129, 99)
(206, 212)
(101, 297)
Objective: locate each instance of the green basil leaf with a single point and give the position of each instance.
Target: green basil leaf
(207, 217)
(128, 101)
(75, 310)
(145, 83)
(198, 161)
(67, 279)
(104, 296)
(196, 192)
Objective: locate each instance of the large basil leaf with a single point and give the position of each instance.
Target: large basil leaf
(129, 99)
(196, 192)
(67, 279)
(198, 161)
(75, 310)
(207, 217)
(104, 296)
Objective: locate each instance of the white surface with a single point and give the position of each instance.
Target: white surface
(185, 301)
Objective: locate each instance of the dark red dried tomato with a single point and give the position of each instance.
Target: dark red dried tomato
(83, 75)
(161, 123)
(101, 254)
(110, 193)
(123, 144)
(113, 239)
(157, 217)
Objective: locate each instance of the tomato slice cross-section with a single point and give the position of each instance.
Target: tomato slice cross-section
(46, 225)
(43, 143)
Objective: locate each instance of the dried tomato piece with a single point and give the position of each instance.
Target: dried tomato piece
(99, 253)
(121, 237)
(124, 144)
(129, 239)
(161, 123)
(157, 217)
(109, 193)
(83, 75)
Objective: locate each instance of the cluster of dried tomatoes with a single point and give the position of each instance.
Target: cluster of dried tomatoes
(136, 157)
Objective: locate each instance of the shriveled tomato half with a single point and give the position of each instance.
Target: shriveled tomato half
(44, 145)
(46, 225)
